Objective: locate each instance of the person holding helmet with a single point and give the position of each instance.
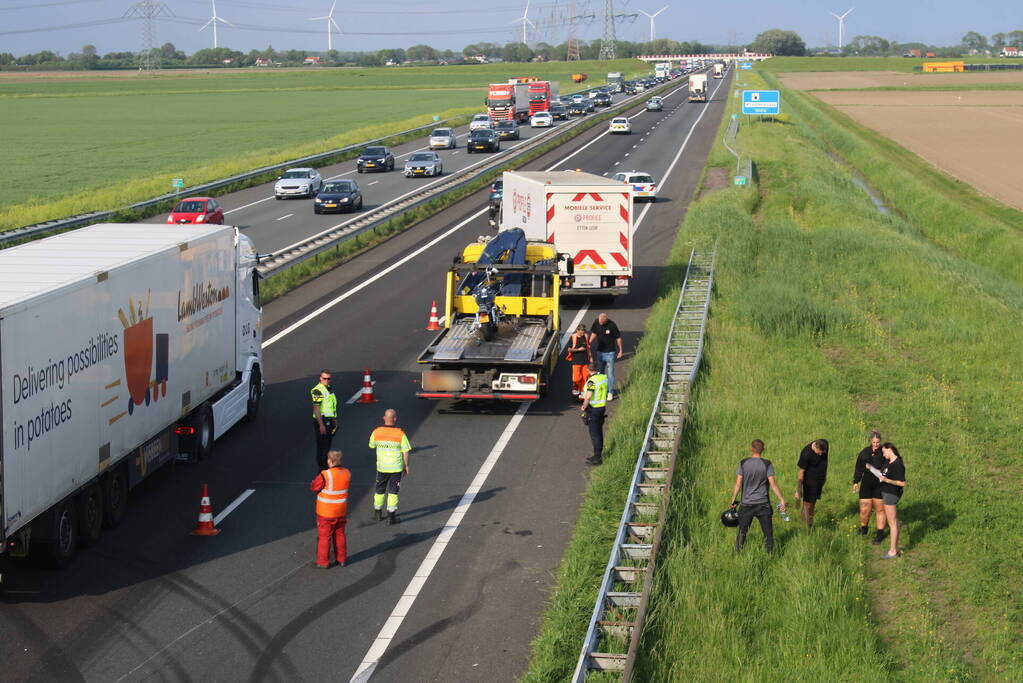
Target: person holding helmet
(753, 477)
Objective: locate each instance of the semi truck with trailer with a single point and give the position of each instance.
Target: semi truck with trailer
(662, 70)
(587, 216)
(698, 87)
(541, 94)
(122, 348)
(719, 70)
(616, 81)
(508, 101)
(500, 339)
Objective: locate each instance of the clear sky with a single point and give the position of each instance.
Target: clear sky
(33, 25)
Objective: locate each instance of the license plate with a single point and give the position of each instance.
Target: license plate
(331, 206)
(481, 147)
(370, 163)
(484, 318)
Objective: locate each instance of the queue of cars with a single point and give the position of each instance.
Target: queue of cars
(345, 195)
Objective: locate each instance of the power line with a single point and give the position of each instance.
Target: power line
(148, 10)
(82, 24)
(47, 4)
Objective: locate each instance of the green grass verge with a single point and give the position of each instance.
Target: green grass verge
(904, 64)
(93, 142)
(829, 319)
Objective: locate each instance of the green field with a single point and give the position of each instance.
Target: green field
(831, 318)
(78, 142)
(905, 64)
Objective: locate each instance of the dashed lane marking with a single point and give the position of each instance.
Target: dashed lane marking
(285, 216)
(230, 508)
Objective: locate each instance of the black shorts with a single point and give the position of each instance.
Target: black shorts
(870, 487)
(812, 491)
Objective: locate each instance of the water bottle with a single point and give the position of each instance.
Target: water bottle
(784, 514)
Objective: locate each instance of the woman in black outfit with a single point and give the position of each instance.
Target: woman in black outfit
(868, 487)
(893, 483)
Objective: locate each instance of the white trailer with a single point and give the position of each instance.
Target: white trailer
(719, 70)
(122, 348)
(698, 87)
(662, 69)
(584, 215)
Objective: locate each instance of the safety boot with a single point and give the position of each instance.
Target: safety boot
(392, 518)
(378, 514)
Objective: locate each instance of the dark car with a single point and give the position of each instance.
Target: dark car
(496, 191)
(375, 159)
(483, 141)
(577, 109)
(507, 130)
(197, 210)
(339, 196)
(558, 111)
(494, 202)
(603, 99)
(589, 105)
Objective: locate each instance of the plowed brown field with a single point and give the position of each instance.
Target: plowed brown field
(826, 80)
(972, 135)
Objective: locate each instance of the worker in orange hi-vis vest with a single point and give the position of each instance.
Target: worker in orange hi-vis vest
(331, 487)
(392, 449)
(580, 357)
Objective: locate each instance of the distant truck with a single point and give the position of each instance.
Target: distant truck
(502, 322)
(587, 216)
(719, 70)
(508, 101)
(698, 87)
(122, 348)
(914, 52)
(662, 70)
(541, 94)
(616, 81)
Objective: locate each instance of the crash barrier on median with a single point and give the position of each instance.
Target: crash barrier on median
(333, 237)
(612, 638)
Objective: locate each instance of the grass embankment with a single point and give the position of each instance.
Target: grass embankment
(95, 143)
(829, 319)
(905, 64)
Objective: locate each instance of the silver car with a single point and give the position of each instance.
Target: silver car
(443, 138)
(424, 163)
(298, 182)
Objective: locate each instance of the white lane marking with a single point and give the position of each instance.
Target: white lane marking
(627, 153)
(429, 563)
(213, 617)
(245, 206)
(362, 285)
(285, 216)
(230, 508)
(373, 183)
(358, 394)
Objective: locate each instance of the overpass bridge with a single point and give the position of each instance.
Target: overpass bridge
(714, 57)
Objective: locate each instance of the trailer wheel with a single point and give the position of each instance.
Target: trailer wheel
(255, 395)
(204, 433)
(90, 516)
(65, 534)
(115, 497)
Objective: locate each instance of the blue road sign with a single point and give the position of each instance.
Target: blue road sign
(746, 66)
(761, 102)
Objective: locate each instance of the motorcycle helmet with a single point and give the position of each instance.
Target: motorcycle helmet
(730, 517)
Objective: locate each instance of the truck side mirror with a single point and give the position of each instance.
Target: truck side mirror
(570, 265)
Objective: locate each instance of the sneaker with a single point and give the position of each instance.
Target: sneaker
(862, 531)
(610, 396)
(878, 537)
(321, 566)
(594, 461)
(890, 556)
(575, 393)
(392, 518)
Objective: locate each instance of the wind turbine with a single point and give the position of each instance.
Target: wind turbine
(213, 22)
(330, 22)
(651, 17)
(525, 22)
(841, 25)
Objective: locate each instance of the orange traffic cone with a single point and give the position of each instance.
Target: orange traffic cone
(434, 324)
(367, 389)
(205, 526)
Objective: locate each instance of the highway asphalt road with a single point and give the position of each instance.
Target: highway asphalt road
(453, 593)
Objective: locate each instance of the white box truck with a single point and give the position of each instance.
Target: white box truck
(719, 70)
(698, 87)
(122, 348)
(584, 215)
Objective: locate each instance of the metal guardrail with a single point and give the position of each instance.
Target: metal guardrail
(612, 638)
(331, 238)
(82, 220)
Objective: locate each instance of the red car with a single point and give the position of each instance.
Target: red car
(197, 210)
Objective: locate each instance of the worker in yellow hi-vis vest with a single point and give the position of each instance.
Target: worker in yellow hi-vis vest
(324, 418)
(392, 448)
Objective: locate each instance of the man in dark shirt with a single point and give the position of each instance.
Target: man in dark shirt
(813, 472)
(753, 476)
(606, 345)
(867, 486)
